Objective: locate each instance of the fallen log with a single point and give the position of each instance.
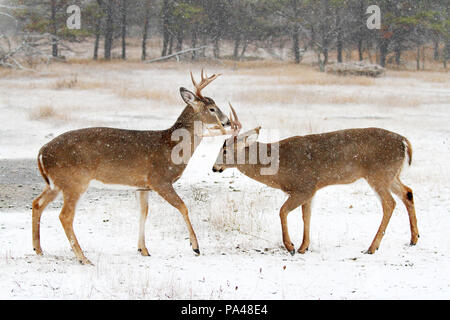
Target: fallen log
(359, 68)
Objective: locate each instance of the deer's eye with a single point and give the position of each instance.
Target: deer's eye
(224, 151)
(211, 109)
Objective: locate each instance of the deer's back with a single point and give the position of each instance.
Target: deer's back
(107, 154)
(339, 157)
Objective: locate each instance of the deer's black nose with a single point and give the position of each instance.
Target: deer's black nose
(214, 169)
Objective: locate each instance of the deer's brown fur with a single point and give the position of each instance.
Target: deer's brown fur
(140, 159)
(309, 163)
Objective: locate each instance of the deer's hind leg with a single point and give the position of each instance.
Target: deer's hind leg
(306, 211)
(382, 188)
(406, 194)
(143, 201)
(39, 204)
(66, 217)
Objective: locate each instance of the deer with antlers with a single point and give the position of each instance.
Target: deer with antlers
(140, 159)
(309, 163)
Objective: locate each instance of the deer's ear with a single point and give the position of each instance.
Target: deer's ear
(190, 98)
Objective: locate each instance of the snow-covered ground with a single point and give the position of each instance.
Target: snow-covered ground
(236, 219)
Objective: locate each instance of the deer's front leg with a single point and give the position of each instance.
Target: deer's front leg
(306, 210)
(168, 193)
(66, 217)
(143, 201)
(291, 203)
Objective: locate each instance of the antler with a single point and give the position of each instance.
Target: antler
(203, 83)
(236, 125)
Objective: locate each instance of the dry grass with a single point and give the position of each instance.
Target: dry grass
(47, 112)
(427, 76)
(123, 89)
(246, 217)
(292, 95)
(6, 72)
(153, 94)
(292, 74)
(66, 83)
(263, 82)
(74, 82)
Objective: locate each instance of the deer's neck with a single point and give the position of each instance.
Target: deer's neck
(251, 170)
(188, 120)
(255, 170)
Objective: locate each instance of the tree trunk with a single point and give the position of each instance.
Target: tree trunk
(360, 49)
(98, 25)
(237, 42)
(398, 54)
(54, 29)
(446, 53)
(109, 31)
(145, 31)
(194, 44)
(339, 44)
(320, 62)
(362, 13)
(418, 58)
(423, 57)
(179, 42)
(296, 46)
(216, 49)
(369, 45)
(124, 28)
(170, 44)
(313, 37)
(204, 42)
(166, 34)
(339, 48)
(97, 38)
(166, 37)
(243, 49)
(383, 52)
(436, 49)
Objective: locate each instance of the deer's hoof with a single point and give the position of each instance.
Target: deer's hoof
(414, 240)
(144, 252)
(292, 252)
(302, 251)
(197, 251)
(85, 261)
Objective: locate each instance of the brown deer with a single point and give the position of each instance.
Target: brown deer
(308, 163)
(140, 159)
